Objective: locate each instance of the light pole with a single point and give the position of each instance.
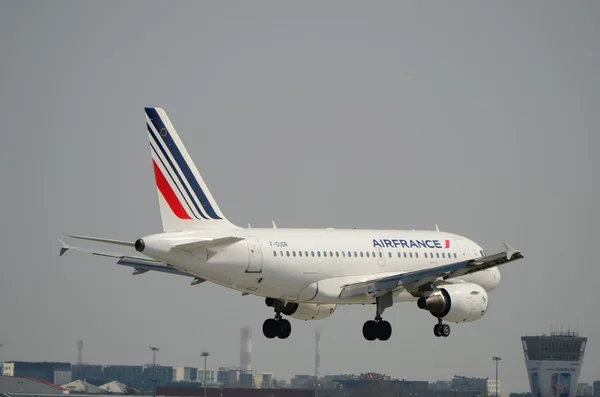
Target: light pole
(205, 354)
(154, 350)
(496, 359)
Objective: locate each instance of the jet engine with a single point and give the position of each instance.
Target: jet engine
(456, 303)
(308, 311)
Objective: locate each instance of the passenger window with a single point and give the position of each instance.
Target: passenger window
(287, 253)
(306, 253)
(280, 253)
(294, 254)
(274, 253)
(399, 255)
(343, 254)
(325, 253)
(355, 255)
(337, 254)
(405, 255)
(349, 254)
(455, 254)
(443, 255)
(361, 254)
(416, 254)
(300, 253)
(381, 254)
(425, 254)
(373, 254)
(390, 254)
(410, 254)
(312, 253)
(367, 254)
(319, 254)
(437, 254)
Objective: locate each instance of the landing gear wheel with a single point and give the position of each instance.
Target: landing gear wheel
(384, 330)
(437, 331)
(270, 328)
(445, 330)
(284, 328)
(370, 330)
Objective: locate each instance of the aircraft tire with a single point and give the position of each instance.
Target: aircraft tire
(384, 330)
(445, 330)
(284, 329)
(370, 330)
(270, 328)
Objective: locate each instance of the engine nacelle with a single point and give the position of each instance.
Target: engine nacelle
(457, 303)
(309, 311)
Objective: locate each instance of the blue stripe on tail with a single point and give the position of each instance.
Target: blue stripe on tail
(187, 172)
(176, 173)
(173, 179)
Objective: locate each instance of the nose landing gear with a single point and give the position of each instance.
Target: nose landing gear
(441, 329)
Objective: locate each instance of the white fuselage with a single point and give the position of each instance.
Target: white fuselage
(311, 265)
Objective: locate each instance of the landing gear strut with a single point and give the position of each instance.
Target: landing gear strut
(378, 328)
(276, 327)
(441, 329)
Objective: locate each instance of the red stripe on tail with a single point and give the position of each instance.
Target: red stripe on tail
(168, 193)
(447, 244)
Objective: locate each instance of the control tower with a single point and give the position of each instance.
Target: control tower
(553, 363)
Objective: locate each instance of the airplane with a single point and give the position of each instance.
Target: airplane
(304, 274)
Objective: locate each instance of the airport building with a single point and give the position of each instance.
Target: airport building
(476, 386)
(90, 373)
(211, 375)
(553, 363)
(185, 374)
(52, 372)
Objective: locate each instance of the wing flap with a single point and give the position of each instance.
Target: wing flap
(413, 281)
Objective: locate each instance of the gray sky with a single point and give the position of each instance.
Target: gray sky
(479, 116)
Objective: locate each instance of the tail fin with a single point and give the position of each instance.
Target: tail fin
(185, 201)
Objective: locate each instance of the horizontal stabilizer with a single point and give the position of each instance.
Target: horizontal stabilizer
(140, 265)
(223, 241)
(105, 240)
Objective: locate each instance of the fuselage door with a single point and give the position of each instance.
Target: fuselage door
(255, 257)
(380, 256)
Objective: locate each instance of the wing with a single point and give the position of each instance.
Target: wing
(417, 280)
(141, 265)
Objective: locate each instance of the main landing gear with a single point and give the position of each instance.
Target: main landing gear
(441, 329)
(378, 328)
(276, 327)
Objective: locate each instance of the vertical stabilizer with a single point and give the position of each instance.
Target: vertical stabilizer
(185, 201)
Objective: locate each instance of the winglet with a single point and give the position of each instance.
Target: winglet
(437, 228)
(274, 225)
(510, 251)
(63, 247)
